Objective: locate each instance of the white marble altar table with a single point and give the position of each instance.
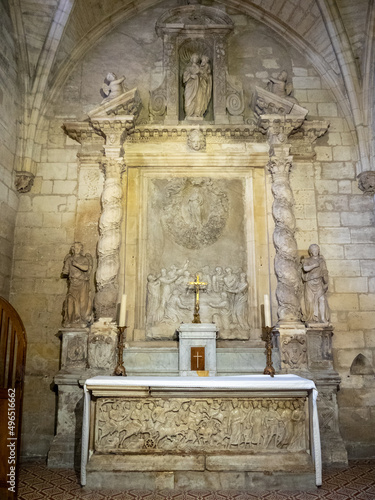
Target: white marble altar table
(254, 383)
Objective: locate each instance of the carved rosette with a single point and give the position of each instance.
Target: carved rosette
(286, 260)
(109, 239)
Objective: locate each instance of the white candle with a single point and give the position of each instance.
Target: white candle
(122, 317)
(267, 311)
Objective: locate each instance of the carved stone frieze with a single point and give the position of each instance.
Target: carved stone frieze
(200, 425)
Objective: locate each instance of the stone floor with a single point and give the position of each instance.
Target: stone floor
(38, 482)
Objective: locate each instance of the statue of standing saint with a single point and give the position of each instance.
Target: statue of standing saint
(77, 269)
(197, 79)
(315, 278)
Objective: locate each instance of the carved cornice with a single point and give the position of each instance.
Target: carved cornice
(128, 103)
(81, 131)
(193, 19)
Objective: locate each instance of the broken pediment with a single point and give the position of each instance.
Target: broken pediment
(127, 103)
(193, 17)
(269, 103)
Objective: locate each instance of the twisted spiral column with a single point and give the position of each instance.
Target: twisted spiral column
(107, 274)
(288, 288)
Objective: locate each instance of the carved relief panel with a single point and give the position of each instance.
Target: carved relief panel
(200, 425)
(201, 220)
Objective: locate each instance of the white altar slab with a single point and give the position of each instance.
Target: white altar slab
(252, 384)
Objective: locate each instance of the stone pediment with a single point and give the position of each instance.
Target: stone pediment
(268, 103)
(128, 103)
(192, 16)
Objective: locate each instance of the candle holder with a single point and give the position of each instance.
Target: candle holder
(267, 337)
(120, 368)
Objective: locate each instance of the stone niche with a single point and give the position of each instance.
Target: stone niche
(201, 31)
(187, 223)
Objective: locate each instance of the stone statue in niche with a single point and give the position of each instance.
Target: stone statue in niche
(168, 301)
(197, 79)
(186, 425)
(195, 211)
(196, 140)
(112, 88)
(315, 278)
(77, 309)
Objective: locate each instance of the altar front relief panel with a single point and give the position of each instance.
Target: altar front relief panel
(189, 437)
(187, 221)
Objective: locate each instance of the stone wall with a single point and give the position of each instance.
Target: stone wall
(9, 109)
(63, 207)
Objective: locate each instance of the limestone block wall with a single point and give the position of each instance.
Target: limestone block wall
(9, 114)
(63, 206)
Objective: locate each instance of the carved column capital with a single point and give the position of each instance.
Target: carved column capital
(366, 181)
(280, 162)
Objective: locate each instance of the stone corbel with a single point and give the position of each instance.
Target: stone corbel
(24, 181)
(366, 182)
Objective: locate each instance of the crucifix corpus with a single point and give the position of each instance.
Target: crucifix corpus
(198, 285)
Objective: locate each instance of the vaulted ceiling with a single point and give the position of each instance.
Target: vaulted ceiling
(337, 36)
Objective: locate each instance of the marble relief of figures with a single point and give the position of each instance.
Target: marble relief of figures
(179, 424)
(226, 302)
(197, 79)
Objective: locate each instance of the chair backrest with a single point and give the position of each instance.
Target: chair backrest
(12, 373)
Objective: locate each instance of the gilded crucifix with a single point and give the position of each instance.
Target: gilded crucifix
(198, 285)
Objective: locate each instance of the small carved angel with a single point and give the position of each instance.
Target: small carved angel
(112, 88)
(278, 84)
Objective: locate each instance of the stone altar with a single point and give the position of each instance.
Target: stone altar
(186, 432)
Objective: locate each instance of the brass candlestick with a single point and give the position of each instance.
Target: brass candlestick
(267, 337)
(120, 368)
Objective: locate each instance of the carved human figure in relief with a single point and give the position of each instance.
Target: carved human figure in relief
(112, 88)
(315, 278)
(197, 79)
(278, 85)
(77, 269)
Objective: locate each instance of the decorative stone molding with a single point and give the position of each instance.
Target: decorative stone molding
(24, 181)
(366, 182)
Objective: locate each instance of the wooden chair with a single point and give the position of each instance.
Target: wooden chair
(12, 372)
